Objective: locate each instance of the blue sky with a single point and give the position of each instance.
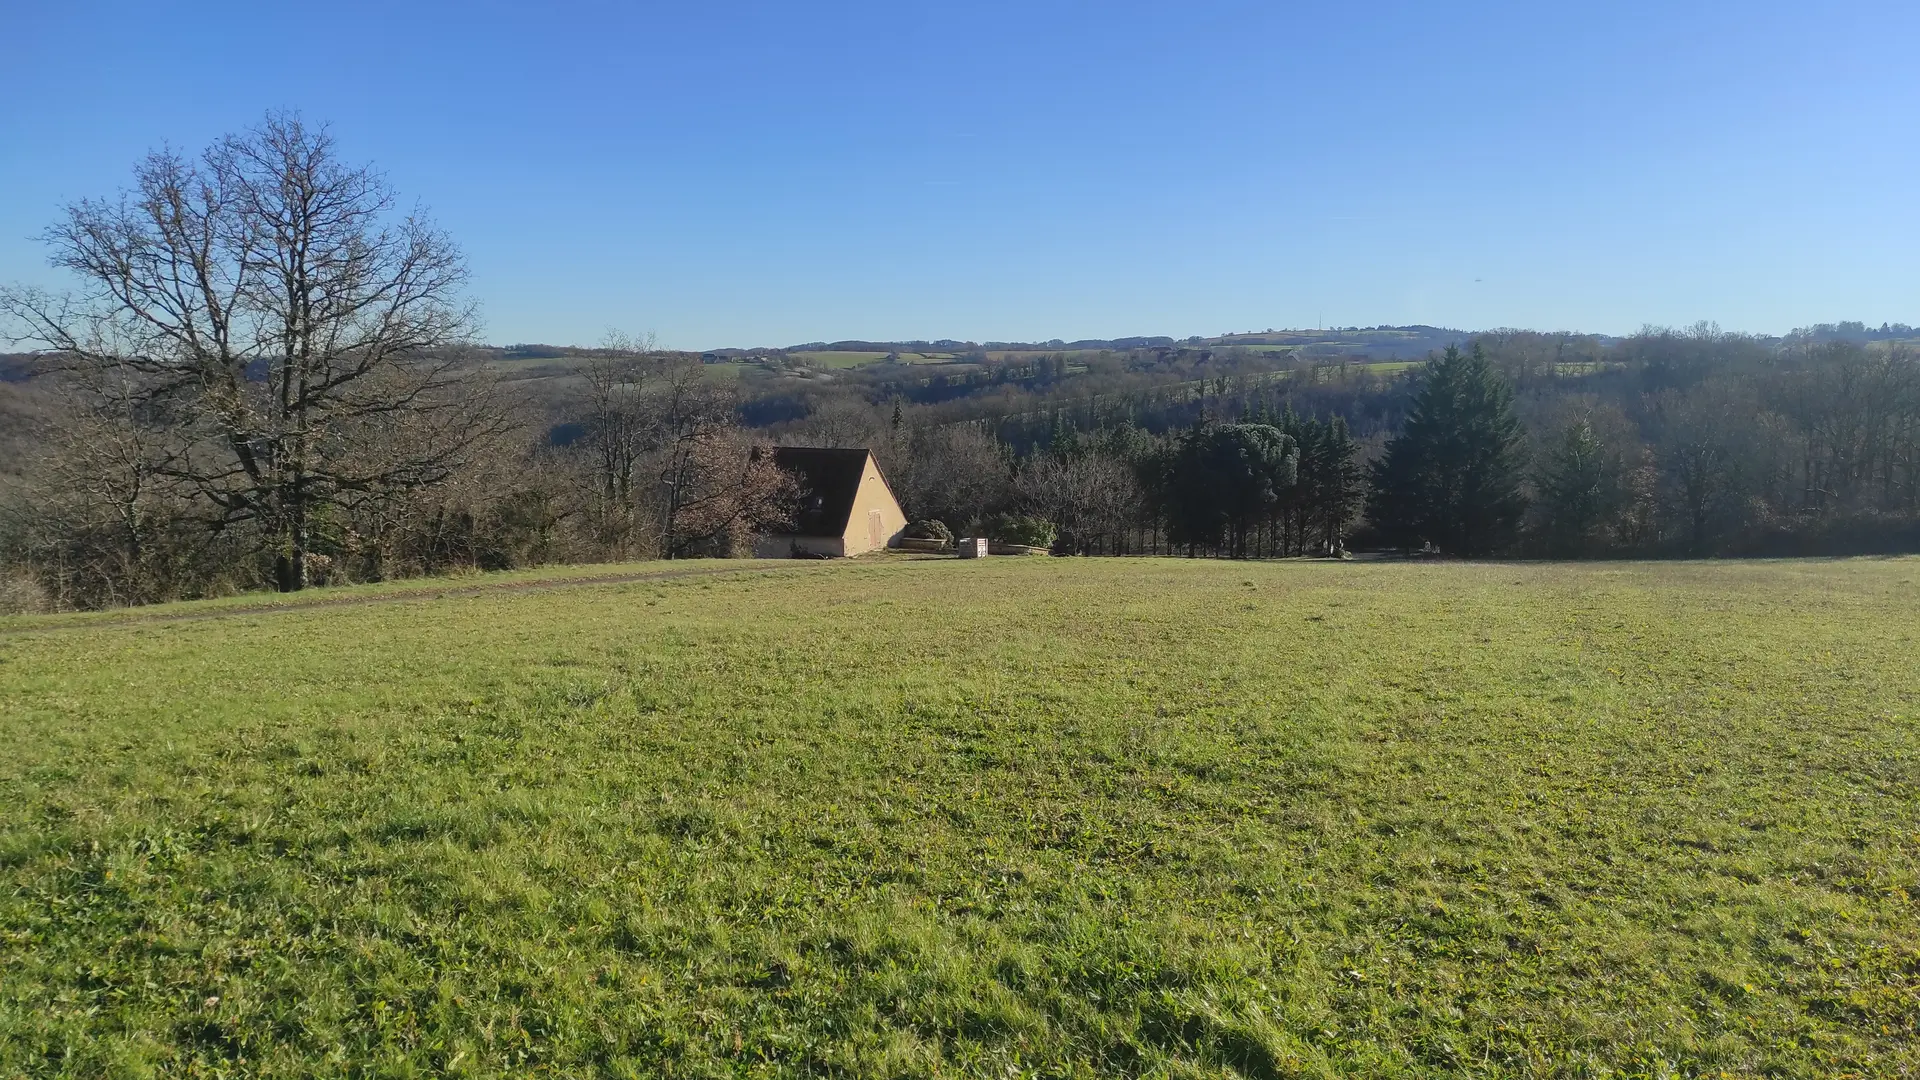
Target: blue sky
(741, 174)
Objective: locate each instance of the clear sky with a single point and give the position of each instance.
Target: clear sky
(743, 174)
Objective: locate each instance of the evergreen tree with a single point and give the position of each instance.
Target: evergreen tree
(1452, 475)
(1223, 480)
(1339, 485)
(1286, 507)
(1583, 491)
(1309, 435)
(1062, 439)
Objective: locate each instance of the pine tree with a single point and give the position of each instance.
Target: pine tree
(1223, 480)
(1582, 491)
(1452, 475)
(1310, 435)
(1062, 440)
(1287, 510)
(1340, 485)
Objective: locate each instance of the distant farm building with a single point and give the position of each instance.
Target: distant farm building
(846, 507)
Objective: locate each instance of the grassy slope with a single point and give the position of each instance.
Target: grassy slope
(841, 359)
(862, 359)
(544, 577)
(1050, 815)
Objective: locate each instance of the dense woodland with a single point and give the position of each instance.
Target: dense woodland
(265, 378)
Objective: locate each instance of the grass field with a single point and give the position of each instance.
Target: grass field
(841, 359)
(1007, 818)
(831, 359)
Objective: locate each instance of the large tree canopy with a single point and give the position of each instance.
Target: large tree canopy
(1452, 475)
(281, 329)
(1224, 480)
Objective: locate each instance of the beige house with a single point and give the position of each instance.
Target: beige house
(846, 507)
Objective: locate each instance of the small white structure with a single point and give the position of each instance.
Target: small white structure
(972, 547)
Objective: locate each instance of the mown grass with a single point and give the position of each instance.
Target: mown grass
(1006, 817)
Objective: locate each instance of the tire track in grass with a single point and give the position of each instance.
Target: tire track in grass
(135, 617)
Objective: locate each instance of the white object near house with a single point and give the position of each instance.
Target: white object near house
(972, 547)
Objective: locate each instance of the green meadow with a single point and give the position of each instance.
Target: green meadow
(832, 359)
(1005, 818)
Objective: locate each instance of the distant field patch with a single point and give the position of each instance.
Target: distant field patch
(840, 359)
(534, 364)
(1048, 817)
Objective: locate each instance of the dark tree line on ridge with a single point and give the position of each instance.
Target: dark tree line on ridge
(1668, 443)
(265, 381)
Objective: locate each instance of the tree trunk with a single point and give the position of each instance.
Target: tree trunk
(290, 566)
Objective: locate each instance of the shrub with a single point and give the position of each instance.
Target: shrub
(929, 529)
(1016, 529)
(20, 594)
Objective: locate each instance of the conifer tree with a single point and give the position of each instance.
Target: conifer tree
(1223, 480)
(1452, 475)
(1062, 439)
(1340, 484)
(1581, 491)
(1290, 505)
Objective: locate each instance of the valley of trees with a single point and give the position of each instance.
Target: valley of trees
(266, 379)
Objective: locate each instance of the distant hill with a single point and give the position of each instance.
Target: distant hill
(1395, 338)
(969, 380)
(17, 367)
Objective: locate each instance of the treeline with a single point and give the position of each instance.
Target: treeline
(1664, 444)
(981, 386)
(265, 383)
(1266, 487)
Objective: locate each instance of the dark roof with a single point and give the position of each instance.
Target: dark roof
(829, 479)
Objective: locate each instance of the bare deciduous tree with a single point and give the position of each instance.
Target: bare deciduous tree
(291, 338)
(670, 472)
(729, 490)
(695, 451)
(1089, 496)
(619, 436)
(957, 473)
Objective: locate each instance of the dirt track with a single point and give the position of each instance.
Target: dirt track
(132, 616)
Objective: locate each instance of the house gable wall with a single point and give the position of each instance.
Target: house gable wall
(873, 494)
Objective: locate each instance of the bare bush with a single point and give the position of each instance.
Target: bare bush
(668, 471)
(20, 594)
